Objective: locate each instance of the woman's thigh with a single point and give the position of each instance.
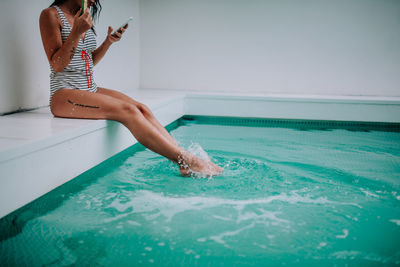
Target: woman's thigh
(72, 103)
(118, 95)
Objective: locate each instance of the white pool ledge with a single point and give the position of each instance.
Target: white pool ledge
(39, 152)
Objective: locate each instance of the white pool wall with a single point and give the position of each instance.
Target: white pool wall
(307, 47)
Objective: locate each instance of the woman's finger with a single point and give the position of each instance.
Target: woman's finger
(87, 9)
(110, 30)
(78, 13)
(117, 34)
(86, 14)
(120, 31)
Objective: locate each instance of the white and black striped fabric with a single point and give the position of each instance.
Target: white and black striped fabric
(79, 72)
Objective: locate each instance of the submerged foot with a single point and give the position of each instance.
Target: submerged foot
(192, 165)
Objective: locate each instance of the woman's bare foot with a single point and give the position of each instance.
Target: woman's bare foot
(190, 164)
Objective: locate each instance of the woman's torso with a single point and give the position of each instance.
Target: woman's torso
(78, 74)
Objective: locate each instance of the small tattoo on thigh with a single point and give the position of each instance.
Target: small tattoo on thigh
(81, 105)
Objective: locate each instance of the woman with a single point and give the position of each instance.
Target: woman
(69, 42)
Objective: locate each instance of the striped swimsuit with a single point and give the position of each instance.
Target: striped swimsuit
(79, 72)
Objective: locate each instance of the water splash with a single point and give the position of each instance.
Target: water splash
(198, 151)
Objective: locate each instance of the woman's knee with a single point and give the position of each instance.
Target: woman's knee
(127, 110)
(145, 110)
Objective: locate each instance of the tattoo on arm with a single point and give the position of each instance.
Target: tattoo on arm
(73, 50)
(81, 105)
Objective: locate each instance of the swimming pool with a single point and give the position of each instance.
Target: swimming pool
(293, 192)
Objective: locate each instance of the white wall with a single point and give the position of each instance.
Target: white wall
(120, 68)
(24, 69)
(336, 47)
(320, 47)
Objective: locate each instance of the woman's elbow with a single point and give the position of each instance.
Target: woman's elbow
(57, 67)
(56, 64)
(58, 70)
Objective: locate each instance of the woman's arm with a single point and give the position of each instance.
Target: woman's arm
(58, 53)
(99, 53)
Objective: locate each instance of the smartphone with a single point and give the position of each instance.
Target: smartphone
(83, 6)
(123, 25)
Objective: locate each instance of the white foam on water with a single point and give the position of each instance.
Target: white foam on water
(321, 245)
(264, 215)
(222, 218)
(134, 223)
(346, 254)
(189, 251)
(120, 207)
(88, 205)
(219, 238)
(345, 234)
(367, 193)
(199, 175)
(144, 201)
(259, 245)
(353, 254)
(395, 221)
(110, 195)
(115, 218)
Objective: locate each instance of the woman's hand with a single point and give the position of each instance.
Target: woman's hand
(111, 38)
(82, 23)
(115, 37)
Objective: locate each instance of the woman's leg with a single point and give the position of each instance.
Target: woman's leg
(142, 107)
(68, 103)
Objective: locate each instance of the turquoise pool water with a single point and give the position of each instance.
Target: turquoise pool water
(298, 195)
